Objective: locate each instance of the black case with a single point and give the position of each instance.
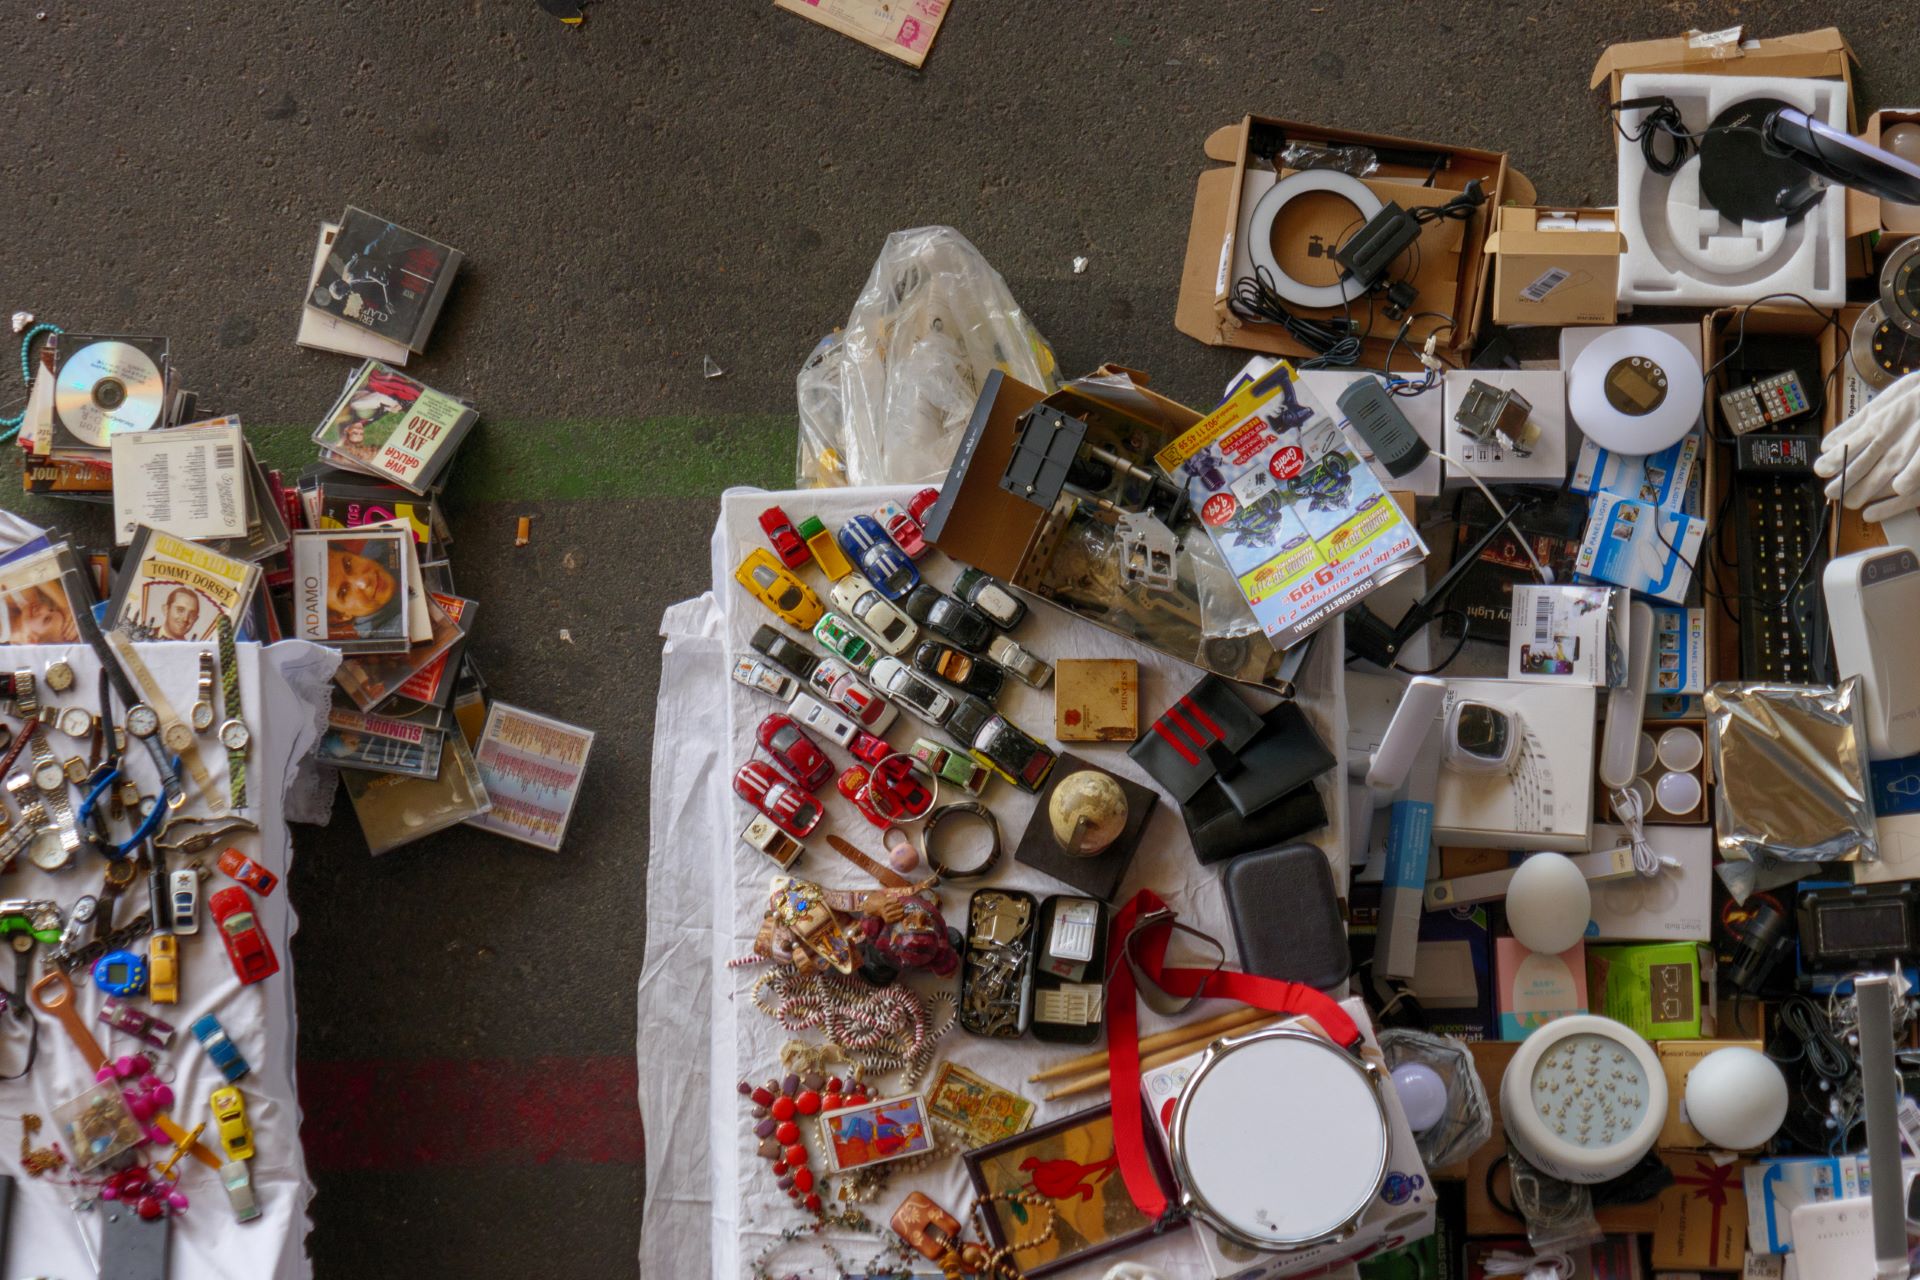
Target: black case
(1212, 738)
(1219, 831)
(1043, 980)
(1286, 916)
(969, 966)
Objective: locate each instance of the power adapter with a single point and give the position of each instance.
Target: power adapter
(1368, 253)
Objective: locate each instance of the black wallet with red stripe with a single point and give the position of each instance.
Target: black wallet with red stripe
(1211, 736)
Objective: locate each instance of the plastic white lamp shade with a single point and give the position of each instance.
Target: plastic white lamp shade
(1548, 903)
(1736, 1098)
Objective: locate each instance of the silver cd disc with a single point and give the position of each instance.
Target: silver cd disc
(108, 387)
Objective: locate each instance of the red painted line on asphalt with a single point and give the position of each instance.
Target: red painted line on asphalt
(392, 1116)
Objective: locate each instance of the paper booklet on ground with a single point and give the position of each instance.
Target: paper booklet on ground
(532, 766)
(172, 589)
(1303, 524)
(324, 331)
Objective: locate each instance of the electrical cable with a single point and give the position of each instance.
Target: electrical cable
(1663, 120)
(1824, 1051)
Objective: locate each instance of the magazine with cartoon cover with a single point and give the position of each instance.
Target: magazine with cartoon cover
(371, 678)
(394, 809)
(350, 589)
(172, 589)
(532, 766)
(37, 604)
(356, 740)
(1304, 525)
(393, 427)
(384, 278)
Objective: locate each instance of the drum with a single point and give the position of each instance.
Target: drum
(1280, 1139)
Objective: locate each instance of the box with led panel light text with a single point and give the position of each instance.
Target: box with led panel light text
(1448, 271)
(1402, 1210)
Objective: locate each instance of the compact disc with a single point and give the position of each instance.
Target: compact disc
(108, 387)
(1635, 390)
(1881, 350)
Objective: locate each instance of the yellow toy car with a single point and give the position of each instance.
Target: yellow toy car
(230, 1112)
(772, 584)
(163, 968)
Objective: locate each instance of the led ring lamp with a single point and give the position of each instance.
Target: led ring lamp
(1267, 211)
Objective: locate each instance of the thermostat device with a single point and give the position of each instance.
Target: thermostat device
(1873, 611)
(1584, 1098)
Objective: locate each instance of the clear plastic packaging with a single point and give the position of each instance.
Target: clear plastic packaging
(1468, 1122)
(1357, 161)
(886, 400)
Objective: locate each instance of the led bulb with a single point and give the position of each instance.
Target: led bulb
(1548, 903)
(1736, 1098)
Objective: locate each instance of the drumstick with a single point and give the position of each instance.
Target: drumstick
(1097, 1079)
(1178, 1035)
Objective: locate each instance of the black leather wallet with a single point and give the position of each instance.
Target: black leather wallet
(1219, 831)
(1285, 753)
(1286, 915)
(1196, 737)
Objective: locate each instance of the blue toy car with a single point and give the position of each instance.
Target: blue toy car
(877, 557)
(225, 1054)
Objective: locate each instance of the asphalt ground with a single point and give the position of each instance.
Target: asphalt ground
(666, 183)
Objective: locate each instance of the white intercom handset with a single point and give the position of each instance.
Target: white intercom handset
(1620, 744)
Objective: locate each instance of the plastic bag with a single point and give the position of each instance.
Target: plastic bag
(1356, 160)
(887, 399)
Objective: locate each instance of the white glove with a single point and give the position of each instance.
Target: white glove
(1878, 449)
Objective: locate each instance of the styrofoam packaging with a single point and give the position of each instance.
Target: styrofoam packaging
(1680, 254)
(1423, 414)
(1403, 1211)
(1544, 463)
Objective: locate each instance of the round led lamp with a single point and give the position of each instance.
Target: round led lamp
(1267, 210)
(1584, 1098)
(1635, 390)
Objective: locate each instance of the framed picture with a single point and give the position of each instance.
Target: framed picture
(876, 1132)
(1071, 1161)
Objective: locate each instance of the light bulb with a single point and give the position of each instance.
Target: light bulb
(1736, 1098)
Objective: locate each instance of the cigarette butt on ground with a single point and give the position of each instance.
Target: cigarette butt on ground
(524, 533)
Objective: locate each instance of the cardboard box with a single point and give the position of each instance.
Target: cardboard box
(1547, 802)
(1702, 1218)
(1869, 214)
(1453, 974)
(1776, 1187)
(1674, 906)
(1452, 284)
(1821, 54)
(1544, 462)
(1545, 275)
(1653, 988)
(1677, 1058)
(1535, 989)
(1096, 700)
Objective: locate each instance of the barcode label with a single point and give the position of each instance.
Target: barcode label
(225, 457)
(1552, 279)
(1543, 619)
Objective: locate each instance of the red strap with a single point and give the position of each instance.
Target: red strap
(1123, 1029)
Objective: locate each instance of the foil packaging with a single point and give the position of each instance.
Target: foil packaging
(1790, 772)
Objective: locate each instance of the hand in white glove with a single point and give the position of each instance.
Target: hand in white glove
(1873, 458)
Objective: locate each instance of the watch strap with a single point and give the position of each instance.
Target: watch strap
(151, 693)
(230, 709)
(59, 805)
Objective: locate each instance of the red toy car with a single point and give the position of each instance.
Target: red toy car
(922, 502)
(904, 796)
(793, 752)
(248, 872)
(787, 544)
(791, 809)
(869, 747)
(247, 945)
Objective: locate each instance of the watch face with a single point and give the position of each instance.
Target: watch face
(59, 677)
(142, 720)
(49, 775)
(235, 736)
(177, 737)
(47, 853)
(76, 722)
(202, 716)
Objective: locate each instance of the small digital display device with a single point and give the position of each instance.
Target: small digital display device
(1840, 927)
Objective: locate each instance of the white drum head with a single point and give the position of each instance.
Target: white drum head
(1280, 1139)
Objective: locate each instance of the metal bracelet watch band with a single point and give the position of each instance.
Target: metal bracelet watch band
(234, 734)
(58, 805)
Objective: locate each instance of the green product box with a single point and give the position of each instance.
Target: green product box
(1653, 987)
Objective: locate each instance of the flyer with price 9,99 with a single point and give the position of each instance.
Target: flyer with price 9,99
(1303, 523)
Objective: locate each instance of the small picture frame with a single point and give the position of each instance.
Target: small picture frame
(876, 1132)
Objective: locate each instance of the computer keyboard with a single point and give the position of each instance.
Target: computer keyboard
(1777, 523)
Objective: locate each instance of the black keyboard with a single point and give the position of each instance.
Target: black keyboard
(1776, 525)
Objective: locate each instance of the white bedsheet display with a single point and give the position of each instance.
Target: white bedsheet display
(711, 1203)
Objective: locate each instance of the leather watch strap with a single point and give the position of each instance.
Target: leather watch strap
(230, 710)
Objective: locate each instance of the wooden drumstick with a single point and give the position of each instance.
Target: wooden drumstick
(1172, 1053)
(1215, 1026)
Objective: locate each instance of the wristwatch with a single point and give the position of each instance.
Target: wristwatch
(142, 720)
(50, 776)
(202, 714)
(75, 722)
(26, 698)
(177, 738)
(59, 675)
(234, 734)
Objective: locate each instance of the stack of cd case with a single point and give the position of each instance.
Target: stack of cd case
(376, 288)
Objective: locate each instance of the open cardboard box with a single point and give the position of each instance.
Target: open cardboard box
(1525, 289)
(1450, 282)
(1871, 217)
(1806, 55)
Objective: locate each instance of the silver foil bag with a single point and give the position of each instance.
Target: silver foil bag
(1790, 772)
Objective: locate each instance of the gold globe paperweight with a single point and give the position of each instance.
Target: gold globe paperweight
(1088, 812)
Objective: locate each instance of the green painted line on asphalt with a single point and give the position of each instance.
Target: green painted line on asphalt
(674, 456)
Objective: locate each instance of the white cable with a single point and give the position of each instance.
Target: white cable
(1526, 545)
(1628, 809)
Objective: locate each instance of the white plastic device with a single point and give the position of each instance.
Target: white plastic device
(1627, 706)
(1584, 1098)
(1873, 607)
(1412, 722)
